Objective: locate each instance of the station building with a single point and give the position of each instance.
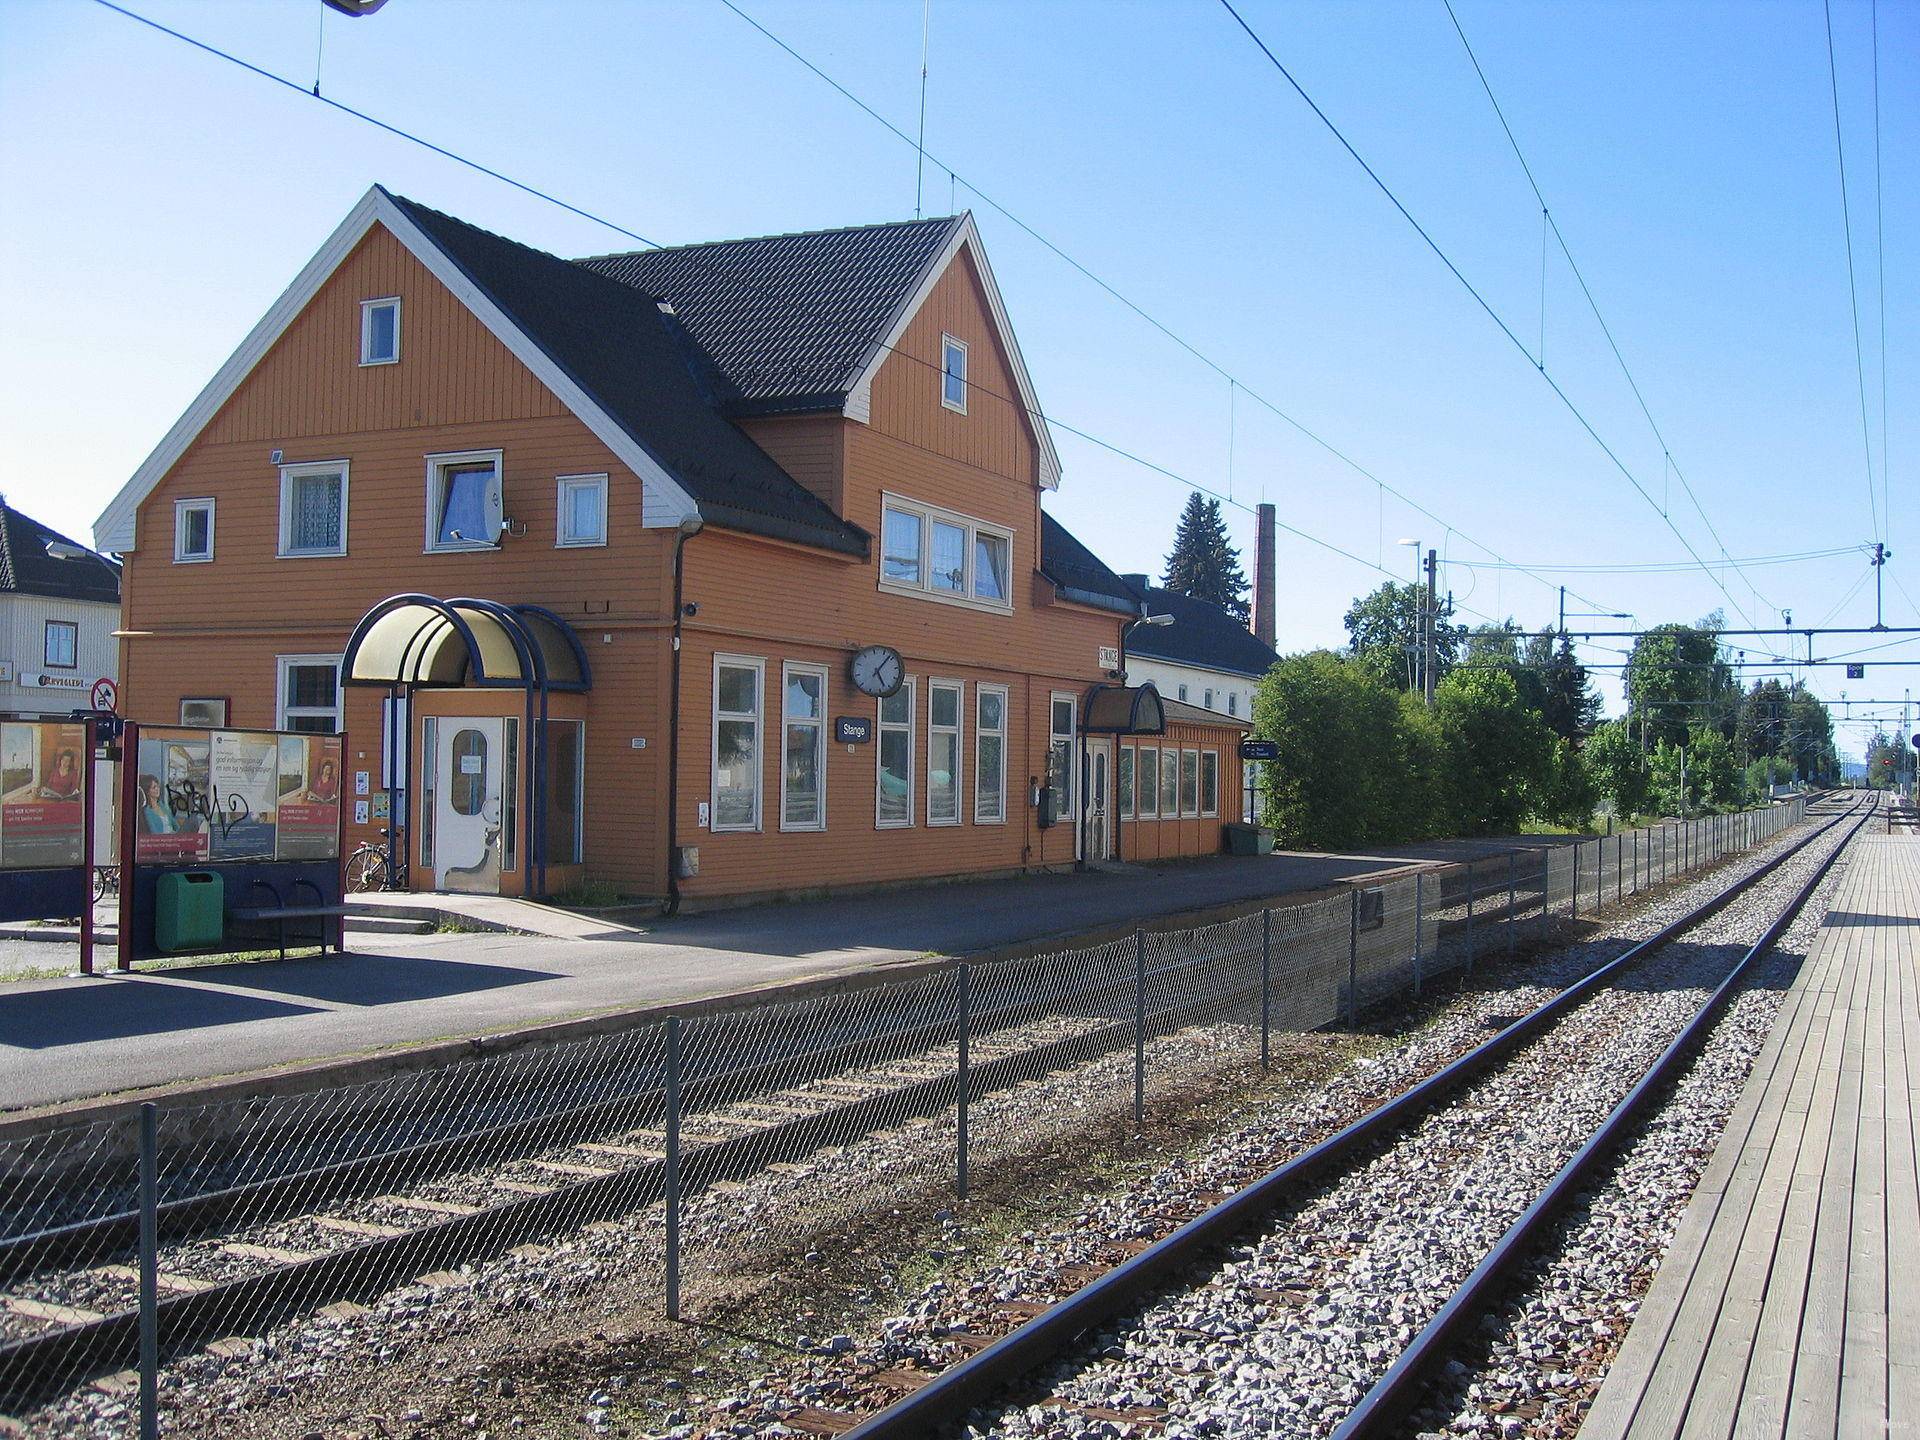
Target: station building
(708, 572)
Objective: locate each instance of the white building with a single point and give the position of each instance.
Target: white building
(59, 607)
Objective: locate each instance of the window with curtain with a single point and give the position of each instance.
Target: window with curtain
(992, 566)
(582, 510)
(949, 569)
(950, 556)
(464, 504)
(313, 509)
(900, 547)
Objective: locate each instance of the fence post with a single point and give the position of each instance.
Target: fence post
(1512, 919)
(1139, 1027)
(1619, 865)
(1469, 917)
(149, 1269)
(964, 1077)
(1353, 957)
(1573, 889)
(1266, 989)
(1419, 924)
(1636, 862)
(671, 1179)
(1599, 873)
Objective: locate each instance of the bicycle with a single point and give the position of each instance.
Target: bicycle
(106, 882)
(371, 867)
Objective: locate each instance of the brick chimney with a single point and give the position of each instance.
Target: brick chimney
(1263, 577)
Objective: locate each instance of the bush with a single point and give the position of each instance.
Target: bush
(1340, 764)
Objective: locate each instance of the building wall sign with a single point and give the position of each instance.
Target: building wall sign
(852, 729)
(36, 679)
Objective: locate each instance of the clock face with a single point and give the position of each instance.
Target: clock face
(878, 670)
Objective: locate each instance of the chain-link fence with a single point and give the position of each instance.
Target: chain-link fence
(178, 1233)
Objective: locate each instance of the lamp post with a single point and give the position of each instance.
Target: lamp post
(1417, 649)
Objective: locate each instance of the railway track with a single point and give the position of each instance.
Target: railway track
(989, 1370)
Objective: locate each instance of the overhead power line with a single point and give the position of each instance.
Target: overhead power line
(1492, 314)
(1667, 567)
(1853, 290)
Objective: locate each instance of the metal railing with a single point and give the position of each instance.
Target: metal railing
(161, 1236)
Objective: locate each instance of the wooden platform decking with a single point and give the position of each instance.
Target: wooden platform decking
(1789, 1303)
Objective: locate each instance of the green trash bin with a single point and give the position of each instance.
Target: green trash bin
(1248, 839)
(189, 910)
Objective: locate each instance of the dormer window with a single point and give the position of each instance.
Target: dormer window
(953, 373)
(380, 331)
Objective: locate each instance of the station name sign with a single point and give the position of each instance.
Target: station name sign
(852, 729)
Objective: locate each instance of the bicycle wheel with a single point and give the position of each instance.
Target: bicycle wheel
(367, 870)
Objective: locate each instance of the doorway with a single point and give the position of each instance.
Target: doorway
(468, 802)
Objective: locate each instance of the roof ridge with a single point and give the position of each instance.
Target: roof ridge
(776, 235)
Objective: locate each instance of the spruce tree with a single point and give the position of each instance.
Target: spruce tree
(1204, 563)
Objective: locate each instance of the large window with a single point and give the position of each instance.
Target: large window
(1189, 783)
(1148, 782)
(313, 509)
(990, 754)
(61, 648)
(1209, 782)
(803, 768)
(581, 516)
(464, 510)
(893, 760)
(943, 751)
(1060, 754)
(953, 373)
(1169, 783)
(192, 531)
(946, 556)
(380, 331)
(736, 742)
(1123, 784)
(308, 694)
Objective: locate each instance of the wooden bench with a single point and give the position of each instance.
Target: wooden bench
(281, 911)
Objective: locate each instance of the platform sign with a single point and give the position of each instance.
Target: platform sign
(1856, 672)
(43, 794)
(1259, 749)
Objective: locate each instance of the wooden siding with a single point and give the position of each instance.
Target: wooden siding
(809, 448)
(1158, 838)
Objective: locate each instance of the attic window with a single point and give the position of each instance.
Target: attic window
(380, 331)
(953, 373)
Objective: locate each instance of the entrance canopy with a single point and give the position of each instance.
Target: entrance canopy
(1123, 710)
(420, 642)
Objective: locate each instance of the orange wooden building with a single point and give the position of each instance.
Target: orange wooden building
(750, 534)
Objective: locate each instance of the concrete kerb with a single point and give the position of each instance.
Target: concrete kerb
(301, 1077)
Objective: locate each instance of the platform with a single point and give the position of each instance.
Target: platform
(1772, 1314)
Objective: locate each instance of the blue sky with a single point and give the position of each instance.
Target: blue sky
(160, 199)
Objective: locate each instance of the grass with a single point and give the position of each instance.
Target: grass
(589, 895)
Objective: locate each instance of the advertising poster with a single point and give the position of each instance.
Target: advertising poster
(42, 795)
(244, 771)
(309, 804)
(172, 797)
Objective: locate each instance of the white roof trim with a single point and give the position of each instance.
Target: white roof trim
(664, 502)
(859, 404)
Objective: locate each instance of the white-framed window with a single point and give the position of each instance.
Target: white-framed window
(193, 531)
(1189, 783)
(944, 699)
(307, 693)
(580, 512)
(990, 755)
(803, 763)
(1147, 783)
(893, 760)
(1169, 783)
(1062, 714)
(953, 373)
(1123, 784)
(464, 509)
(945, 556)
(313, 508)
(60, 649)
(738, 682)
(1209, 782)
(380, 330)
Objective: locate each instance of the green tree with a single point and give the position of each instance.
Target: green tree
(1571, 789)
(1340, 760)
(1498, 753)
(1713, 770)
(1383, 629)
(1204, 563)
(1678, 679)
(1567, 700)
(1613, 756)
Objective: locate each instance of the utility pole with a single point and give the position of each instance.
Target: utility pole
(1432, 619)
(1563, 609)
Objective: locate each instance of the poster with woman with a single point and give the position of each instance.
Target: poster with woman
(172, 797)
(309, 806)
(244, 769)
(43, 789)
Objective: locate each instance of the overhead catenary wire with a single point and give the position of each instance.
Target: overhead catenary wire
(1853, 289)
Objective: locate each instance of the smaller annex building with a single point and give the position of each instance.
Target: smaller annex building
(59, 607)
(707, 572)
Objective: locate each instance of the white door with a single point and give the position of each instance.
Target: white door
(467, 804)
(1097, 846)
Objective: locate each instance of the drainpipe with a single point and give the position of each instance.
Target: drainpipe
(689, 527)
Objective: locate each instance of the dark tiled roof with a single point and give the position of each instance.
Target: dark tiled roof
(27, 569)
(1079, 573)
(1202, 634)
(613, 341)
(790, 321)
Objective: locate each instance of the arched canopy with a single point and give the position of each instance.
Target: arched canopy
(421, 642)
(1123, 710)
